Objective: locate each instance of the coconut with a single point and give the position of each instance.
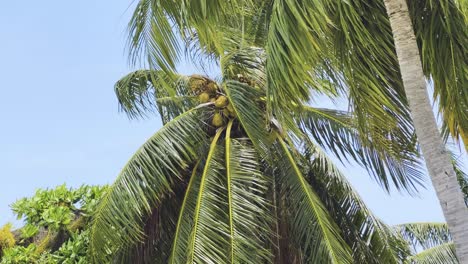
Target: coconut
(212, 87)
(231, 110)
(196, 84)
(221, 101)
(204, 98)
(217, 120)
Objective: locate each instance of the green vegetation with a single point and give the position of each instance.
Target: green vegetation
(55, 227)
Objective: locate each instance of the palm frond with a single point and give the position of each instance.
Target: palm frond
(296, 29)
(312, 228)
(183, 229)
(441, 29)
(147, 91)
(247, 105)
(390, 162)
(151, 34)
(442, 254)
(371, 240)
(425, 235)
(249, 217)
(159, 230)
(209, 240)
(145, 181)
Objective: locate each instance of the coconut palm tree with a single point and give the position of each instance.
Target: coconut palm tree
(223, 181)
(437, 159)
(349, 44)
(380, 60)
(431, 243)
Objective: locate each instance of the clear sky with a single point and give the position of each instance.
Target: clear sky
(59, 119)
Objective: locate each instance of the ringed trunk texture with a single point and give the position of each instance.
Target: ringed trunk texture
(437, 158)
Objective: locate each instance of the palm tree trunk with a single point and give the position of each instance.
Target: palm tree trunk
(437, 159)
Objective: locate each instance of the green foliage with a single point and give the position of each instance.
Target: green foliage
(7, 239)
(26, 255)
(56, 226)
(238, 193)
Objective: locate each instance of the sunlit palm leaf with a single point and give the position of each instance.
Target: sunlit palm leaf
(209, 241)
(312, 228)
(145, 181)
(151, 34)
(245, 100)
(249, 217)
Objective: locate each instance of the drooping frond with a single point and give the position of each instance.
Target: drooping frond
(312, 228)
(151, 34)
(183, 229)
(209, 242)
(144, 182)
(147, 91)
(441, 29)
(249, 211)
(159, 230)
(246, 101)
(371, 240)
(295, 42)
(425, 235)
(390, 162)
(442, 254)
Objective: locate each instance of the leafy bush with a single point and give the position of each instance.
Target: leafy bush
(55, 227)
(7, 239)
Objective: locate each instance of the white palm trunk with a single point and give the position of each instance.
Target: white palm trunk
(437, 159)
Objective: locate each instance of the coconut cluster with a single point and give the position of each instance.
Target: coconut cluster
(208, 91)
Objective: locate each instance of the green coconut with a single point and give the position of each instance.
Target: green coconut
(231, 110)
(212, 87)
(204, 97)
(217, 120)
(221, 101)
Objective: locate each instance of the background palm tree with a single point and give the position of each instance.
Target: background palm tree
(437, 159)
(431, 243)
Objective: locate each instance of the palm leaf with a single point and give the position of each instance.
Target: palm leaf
(249, 217)
(209, 240)
(247, 105)
(442, 33)
(145, 181)
(185, 220)
(371, 240)
(313, 230)
(425, 235)
(390, 162)
(146, 91)
(442, 254)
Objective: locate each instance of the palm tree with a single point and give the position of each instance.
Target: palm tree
(225, 182)
(437, 159)
(349, 44)
(431, 243)
(352, 44)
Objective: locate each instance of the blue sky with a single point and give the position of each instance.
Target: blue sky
(59, 116)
